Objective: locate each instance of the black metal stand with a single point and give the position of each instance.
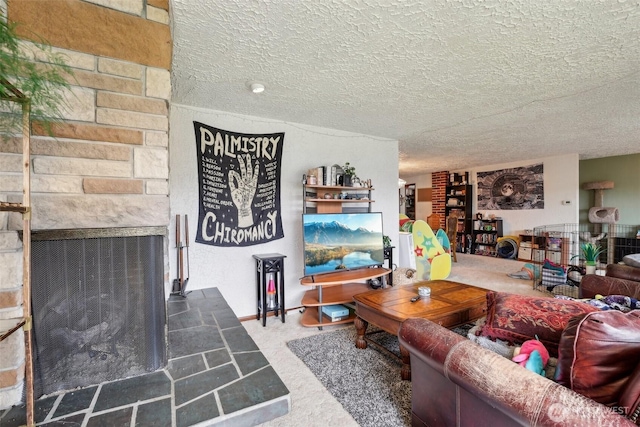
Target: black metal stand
(388, 255)
(266, 264)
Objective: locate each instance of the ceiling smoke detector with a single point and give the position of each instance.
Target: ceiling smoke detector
(257, 87)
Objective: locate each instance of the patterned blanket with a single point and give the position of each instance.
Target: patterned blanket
(611, 302)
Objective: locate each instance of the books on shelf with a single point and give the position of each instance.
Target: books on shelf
(321, 175)
(330, 173)
(327, 175)
(335, 312)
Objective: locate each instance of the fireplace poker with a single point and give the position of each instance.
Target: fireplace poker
(181, 265)
(180, 284)
(176, 282)
(186, 238)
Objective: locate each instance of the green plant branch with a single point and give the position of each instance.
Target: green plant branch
(44, 84)
(348, 169)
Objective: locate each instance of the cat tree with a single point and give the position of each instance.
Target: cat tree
(598, 214)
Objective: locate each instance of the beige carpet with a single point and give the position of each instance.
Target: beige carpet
(311, 403)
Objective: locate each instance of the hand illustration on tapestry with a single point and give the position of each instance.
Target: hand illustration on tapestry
(243, 189)
(239, 186)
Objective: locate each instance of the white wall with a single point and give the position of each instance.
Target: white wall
(561, 182)
(423, 209)
(232, 270)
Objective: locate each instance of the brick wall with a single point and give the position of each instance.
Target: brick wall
(439, 182)
(107, 164)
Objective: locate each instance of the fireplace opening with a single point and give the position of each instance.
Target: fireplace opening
(98, 308)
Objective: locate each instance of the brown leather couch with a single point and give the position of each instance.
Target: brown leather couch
(623, 271)
(455, 382)
(620, 279)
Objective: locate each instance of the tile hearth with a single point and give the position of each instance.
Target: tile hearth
(216, 375)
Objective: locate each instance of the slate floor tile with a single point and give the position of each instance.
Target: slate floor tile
(239, 340)
(156, 414)
(195, 294)
(130, 390)
(208, 319)
(197, 385)
(212, 293)
(75, 401)
(226, 318)
(177, 306)
(249, 362)
(120, 417)
(197, 411)
(185, 366)
(194, 340)
(187, 319)
(254, 389)
(70, 421)
(217, 357)
(201, 304)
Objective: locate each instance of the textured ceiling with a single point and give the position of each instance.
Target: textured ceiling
(459, 84)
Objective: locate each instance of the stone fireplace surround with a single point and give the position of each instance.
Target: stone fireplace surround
(105, 165)
(12, 349)
(216, 374)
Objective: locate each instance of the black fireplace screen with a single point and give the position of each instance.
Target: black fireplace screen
(98, 310)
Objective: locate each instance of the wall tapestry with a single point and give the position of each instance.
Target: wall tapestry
(511, 189)
(239, 178)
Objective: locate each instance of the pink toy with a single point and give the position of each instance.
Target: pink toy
(521, 355)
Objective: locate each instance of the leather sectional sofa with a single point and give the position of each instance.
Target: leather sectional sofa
(455, 382)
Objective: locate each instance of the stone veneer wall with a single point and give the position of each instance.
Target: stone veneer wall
(107, 163)
(439, 182)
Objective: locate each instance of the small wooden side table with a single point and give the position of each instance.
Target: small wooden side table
(265, 264)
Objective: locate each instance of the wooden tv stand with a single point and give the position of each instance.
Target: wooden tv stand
(334, 288)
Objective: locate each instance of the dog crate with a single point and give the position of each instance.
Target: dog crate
(559, 252)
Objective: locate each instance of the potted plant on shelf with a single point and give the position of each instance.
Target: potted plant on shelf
(590, 253)
(349, 174)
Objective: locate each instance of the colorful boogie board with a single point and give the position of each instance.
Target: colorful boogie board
(443, 240)
(432, 260)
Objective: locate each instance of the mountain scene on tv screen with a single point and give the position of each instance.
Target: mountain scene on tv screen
(333, 246)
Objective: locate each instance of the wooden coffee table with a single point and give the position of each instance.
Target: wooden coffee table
(450, 304)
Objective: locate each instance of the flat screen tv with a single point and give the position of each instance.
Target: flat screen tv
(336, 241)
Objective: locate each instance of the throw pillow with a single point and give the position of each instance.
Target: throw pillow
(598, 353)
(517, 318)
